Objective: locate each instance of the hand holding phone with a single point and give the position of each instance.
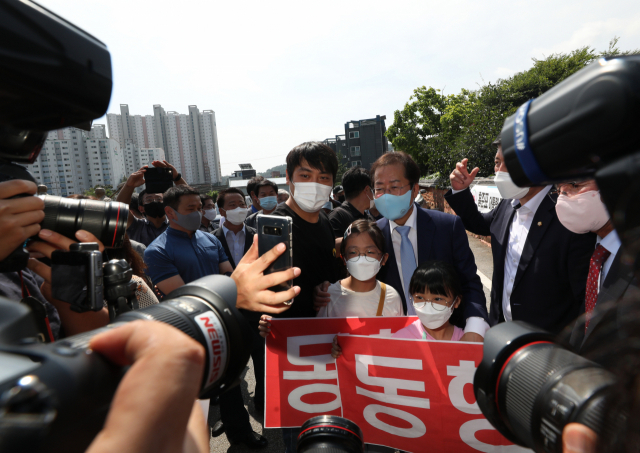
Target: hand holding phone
(273, 230)
(158, 180)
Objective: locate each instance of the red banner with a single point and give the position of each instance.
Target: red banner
(410, 394)
(301, 377)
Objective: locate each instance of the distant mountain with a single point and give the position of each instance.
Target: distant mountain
(280, 168)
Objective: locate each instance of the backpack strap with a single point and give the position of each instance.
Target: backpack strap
(383, 293)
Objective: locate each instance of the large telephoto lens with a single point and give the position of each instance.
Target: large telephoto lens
(529, 388)
(330, 434)
(106, 220)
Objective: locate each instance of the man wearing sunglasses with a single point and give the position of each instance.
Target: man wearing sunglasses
(539, 266)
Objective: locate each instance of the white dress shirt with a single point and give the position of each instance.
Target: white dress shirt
(474, 324)
(518, 232)
(235, 243)
(611, 242)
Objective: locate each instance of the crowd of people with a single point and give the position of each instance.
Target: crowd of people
(364, 247)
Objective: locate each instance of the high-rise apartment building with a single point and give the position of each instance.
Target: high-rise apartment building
(72, 161)
(135, 157)
(362, 143)
(189, 141)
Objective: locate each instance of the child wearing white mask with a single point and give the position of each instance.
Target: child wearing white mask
(436, 295)
(360, 294)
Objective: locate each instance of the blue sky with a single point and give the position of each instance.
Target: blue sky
(280, 73)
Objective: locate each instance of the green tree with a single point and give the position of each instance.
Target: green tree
(108, 190)
(342, 167)
(439, 130)
(213, 194)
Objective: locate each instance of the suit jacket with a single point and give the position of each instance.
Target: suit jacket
(551, 279)
(252, 317)
(248, 240)
(619, 284)
(440, 237)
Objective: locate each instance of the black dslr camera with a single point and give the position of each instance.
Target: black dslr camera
(528, 386)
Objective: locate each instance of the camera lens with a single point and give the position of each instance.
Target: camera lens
(106, 220)
(330, 433)
(205, 310)
(529, 388)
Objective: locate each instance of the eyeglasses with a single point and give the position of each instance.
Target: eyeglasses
(569, 189)
(393, 190)
(436, 305)
(370, 255)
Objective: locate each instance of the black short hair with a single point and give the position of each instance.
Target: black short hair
(317, 154)
(173, 194)
(224, 193)
(252, 184)
(411, 169)
(439, 277)
(204, 198)
(354, 181)
(498, 140)
(265, 183)
(364, 226)
(135, 201)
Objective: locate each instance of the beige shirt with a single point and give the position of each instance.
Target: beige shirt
(346, 303)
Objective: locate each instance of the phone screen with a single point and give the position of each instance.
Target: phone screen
(69, 283)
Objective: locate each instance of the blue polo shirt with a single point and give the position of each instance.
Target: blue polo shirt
(175, 253)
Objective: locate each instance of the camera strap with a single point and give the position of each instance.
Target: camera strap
(39, 311)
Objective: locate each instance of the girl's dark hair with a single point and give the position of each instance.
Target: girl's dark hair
(364, 226)
(438, 277)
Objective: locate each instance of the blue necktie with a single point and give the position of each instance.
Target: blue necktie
(408, 263)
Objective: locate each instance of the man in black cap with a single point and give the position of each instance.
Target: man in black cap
(338, 196)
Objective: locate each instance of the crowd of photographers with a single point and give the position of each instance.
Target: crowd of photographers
(368, 249)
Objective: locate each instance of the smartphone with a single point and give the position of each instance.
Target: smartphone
(273, 230)
(76, 277)
(158, 180)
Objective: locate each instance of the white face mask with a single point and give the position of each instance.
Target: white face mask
(362, 269)
(432, 318)
(236, 216)
(582, 213)
(210, 214)
(310, 196)
(372, 201)
(507, 187)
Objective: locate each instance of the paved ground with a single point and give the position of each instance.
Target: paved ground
(484, 261)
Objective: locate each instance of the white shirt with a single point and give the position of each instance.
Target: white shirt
(611, 242)
(518, 232)
(235, 243)
(474, 324)
(346, 303)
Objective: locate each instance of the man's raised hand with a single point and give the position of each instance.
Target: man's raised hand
(460, 177)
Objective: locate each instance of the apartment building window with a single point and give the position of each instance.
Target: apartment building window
(355, 151)
(94, 147)
(355, 134)
(356, 163)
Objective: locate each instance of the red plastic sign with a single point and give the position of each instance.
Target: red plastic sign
(301, 377)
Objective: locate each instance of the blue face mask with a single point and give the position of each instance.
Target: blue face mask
(269, 203)
(393, 207)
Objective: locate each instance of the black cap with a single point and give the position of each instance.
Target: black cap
(337, 189)
(498, 140)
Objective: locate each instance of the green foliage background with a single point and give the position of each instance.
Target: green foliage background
(439, 130)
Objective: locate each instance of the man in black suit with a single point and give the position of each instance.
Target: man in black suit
(581, 210)
(539, 267)
(236, 239)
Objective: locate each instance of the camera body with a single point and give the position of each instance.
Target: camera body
(77, 277)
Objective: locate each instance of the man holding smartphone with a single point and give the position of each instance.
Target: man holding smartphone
(311, 170)
(146, 230)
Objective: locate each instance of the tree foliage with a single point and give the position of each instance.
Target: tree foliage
(342, 168)
(108, 190)
(439, 130)
(213, 194)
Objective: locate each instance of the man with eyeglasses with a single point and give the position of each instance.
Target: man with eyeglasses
(539, 266)
(414, 235)
(581, 210)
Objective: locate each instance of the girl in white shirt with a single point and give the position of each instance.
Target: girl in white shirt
(359, 295)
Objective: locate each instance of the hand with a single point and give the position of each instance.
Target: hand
(472, 337)
(153, 418)
(165, 164)
(336, 350)
(264, 326)
(252, 284)
(136, 179)
(72, 322)
(19, 217)
(321, 297)
(460, 177)
(577, 438)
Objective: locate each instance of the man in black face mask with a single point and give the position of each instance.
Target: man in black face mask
(155, 222)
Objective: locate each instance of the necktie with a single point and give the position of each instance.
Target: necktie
(598, 258)
(408, 263)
